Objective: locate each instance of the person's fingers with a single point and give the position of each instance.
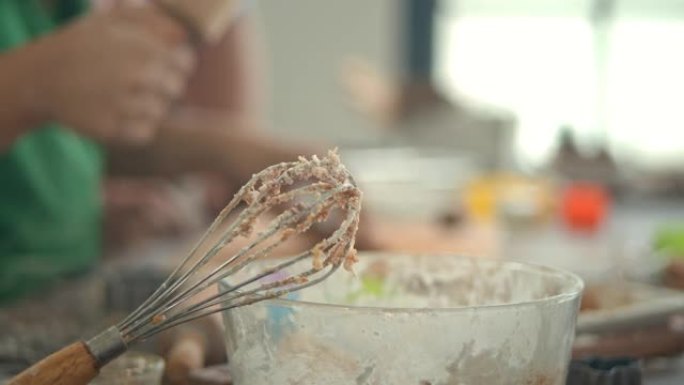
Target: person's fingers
(173, 75)
(183, 58)
(157, 22)
(151, 50)
(166, 74)
(138, 115)
(147, 107)
(139, 123)
(168, 84)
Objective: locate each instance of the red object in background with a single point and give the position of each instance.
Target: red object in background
(584, 206)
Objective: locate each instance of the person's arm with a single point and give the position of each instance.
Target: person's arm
(198, 141)
(19, 106)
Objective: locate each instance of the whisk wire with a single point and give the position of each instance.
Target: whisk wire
(326, 185)
(252, 298)
(225, 212)
(230, 266)
(169, 283)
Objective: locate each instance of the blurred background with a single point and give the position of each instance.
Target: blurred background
(522, 115)
(536, 130)
(544, 131)
(603, 70)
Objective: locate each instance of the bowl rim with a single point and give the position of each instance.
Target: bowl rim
(575, 287)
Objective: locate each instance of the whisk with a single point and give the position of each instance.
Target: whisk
(301, 193)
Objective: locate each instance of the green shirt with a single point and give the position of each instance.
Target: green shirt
(50, 209)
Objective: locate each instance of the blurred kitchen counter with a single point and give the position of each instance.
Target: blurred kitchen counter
(671, 373)
(632, 221)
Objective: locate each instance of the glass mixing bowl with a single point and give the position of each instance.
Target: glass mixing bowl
(414, 320)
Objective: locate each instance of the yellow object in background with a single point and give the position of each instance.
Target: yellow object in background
(493, 197)
(480, 199)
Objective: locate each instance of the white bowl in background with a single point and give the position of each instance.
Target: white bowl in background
(410, 183)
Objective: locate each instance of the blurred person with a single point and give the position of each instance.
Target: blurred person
(115, 92)
(101, 96)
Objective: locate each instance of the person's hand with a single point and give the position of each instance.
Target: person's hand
(113, 75)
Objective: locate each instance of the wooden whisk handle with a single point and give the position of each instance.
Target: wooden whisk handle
(76, 364)
(73, 365)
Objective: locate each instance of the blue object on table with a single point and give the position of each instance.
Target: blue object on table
(278, 320)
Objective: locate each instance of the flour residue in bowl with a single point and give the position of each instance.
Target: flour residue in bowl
(434, 282)
(413, 321)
